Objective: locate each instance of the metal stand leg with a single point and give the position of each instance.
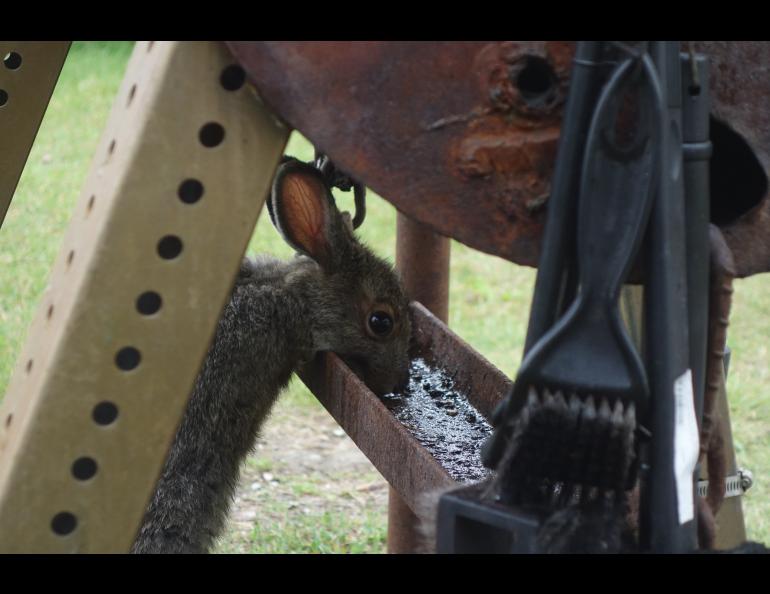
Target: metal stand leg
(422, 257)
(155, 241)
(731, 530)
(28, 76)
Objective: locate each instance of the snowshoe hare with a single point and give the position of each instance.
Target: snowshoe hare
(336, 295)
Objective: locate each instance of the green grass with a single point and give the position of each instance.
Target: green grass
(489, 298)
(51, 183)
(296, 530)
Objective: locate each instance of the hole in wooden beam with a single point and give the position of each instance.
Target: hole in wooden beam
(211, 134)
(104, 413)
(12, 61)
(128, 358)
(148, 303)
(64, 523)
(169, 247)
(232, 77)
(190, 191)
(84, 468)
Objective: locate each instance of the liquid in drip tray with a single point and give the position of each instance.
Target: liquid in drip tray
(442, 420)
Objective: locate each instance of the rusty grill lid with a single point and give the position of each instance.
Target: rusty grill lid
(462, 136)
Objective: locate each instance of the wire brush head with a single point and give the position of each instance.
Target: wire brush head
(564, 449)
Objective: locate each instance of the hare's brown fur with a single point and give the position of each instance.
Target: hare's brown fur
(280, 314)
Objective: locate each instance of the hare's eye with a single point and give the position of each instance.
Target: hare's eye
(380, 323)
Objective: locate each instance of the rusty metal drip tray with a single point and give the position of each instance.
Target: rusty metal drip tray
(440, 417)
(429, 437)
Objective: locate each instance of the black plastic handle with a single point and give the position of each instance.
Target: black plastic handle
(618, 180)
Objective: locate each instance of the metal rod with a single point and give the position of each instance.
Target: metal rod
(696, 152)
(390, 446)
(422, 258)
(731, 527)
(403, 534)
(667, 523)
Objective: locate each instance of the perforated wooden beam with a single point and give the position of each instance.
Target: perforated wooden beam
(146, 266)
(28, 74)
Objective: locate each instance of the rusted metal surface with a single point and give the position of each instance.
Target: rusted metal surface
(730, 521)
(406, 465)
(462, 136)
(720, 301)
(716, 444)
(484, 384)
(740, 88)
(440, 129)
(403, 526)
(422, 259)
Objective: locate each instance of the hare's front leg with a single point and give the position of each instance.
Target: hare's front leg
(248, 364)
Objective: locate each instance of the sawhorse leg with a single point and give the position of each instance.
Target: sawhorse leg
(28, 75)
(169, 205)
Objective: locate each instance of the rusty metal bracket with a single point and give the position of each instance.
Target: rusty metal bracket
(28, 75)
(169, 205)
(405, 464)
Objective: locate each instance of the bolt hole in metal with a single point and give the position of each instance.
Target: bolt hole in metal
(211, 134)
(169, 247)
(232, 78)
(8, 420)
(737, 179)
(3, 98)
(131, 94)
(64, 523)
(29, 365)
(148, 303)
(190, 191)
(12, 61)
(90, 205)
(84, 468)
(104, 413)
(49, 313)
(111, 148)
(70, 257)
(128, 358)
(536, 81)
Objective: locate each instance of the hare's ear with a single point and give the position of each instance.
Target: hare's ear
(304, 213)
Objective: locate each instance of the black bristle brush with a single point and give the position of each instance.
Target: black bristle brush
(567, 431)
